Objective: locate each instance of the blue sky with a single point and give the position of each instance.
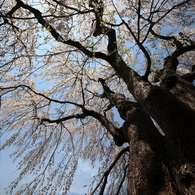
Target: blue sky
(8, 169)
(8, 172)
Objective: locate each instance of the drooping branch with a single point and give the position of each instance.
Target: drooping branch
(107, 172)
(57, 36)
(122, 180)
(113, 130)
(11, 88)
(118, 136)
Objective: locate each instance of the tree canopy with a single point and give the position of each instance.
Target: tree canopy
(68, 66)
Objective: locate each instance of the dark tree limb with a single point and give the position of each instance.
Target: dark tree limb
(122, 181)
(113, 130)
(117, 100)
(169, 76)
(180, 48)
(117, 134)
(179, 52)
(9, 89)
(57, 36)
(98, 7)
(189, 76)
(10, 13)
(57, 121)
(107, 172)
(176, 42)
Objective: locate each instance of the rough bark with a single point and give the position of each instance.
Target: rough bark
(174, 166)
(180, 86)
(176, 119)
(148, 170)
(157, 165)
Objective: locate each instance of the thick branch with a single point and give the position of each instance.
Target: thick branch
(79, 116)
(57, 36)
(135, 117)
(180, 51)
(177, 43)
(189, 76)
(98, 8)
(15, 8)
(114, 131)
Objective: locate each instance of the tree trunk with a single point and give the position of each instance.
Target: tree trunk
(148, 170)
(177, 121)
(171, 169)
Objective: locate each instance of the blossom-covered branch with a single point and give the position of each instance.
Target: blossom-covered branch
(56, 35)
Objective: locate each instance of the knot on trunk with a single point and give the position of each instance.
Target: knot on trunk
(119, 138)
(171, 63)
